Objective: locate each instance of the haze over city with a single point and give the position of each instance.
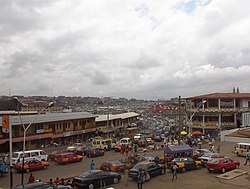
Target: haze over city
(135, 49)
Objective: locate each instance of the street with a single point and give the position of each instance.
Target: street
(191, 179)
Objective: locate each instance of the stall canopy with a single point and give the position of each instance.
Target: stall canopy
(178, 149)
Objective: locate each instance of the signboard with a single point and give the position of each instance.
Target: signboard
(5, 123)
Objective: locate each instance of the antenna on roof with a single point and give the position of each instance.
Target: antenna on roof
(238, 90)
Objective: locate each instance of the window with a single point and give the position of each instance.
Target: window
(43, 153)
(34, 154)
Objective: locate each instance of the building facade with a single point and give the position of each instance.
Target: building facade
(48, 129)
(214, 112)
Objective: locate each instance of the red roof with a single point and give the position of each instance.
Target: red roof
(222, 96)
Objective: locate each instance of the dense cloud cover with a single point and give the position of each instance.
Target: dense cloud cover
(146, 49)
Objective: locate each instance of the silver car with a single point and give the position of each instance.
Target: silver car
(205, 158)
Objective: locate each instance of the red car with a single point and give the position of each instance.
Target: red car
(68, 158)
(31, 165)
(222, 165)
(114, 166)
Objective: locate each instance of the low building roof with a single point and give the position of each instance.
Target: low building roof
(116, 116)
(49, 117)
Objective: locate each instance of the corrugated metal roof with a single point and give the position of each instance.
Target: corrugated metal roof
(51, 117)
(116, 116)
(222, 96)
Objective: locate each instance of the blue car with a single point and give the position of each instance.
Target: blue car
(3, 167)
(94, 152)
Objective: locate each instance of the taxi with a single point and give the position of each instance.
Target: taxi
(31, 165)
(185, 164)
(68, 158)
(114, 166)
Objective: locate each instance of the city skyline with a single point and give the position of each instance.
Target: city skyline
(132, 49)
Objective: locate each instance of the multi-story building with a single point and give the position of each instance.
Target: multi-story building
(214, 112)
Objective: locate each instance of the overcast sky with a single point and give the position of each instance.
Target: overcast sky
(145, 49)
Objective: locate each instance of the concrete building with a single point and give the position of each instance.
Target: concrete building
(212, 113)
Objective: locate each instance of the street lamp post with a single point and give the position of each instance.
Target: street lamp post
(191, 117)
(26, 128)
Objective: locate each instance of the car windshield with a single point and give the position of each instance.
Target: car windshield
(85, 174)
(15, 155)
(215, 161)
(140, 166)
(207, 155)
(116, 163)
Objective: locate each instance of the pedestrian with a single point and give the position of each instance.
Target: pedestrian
(135, 148)
(247, 158)
(174, 169)
(126, 177)
(213, 141)
(31, 179)
(147, 176)
(5, 157)
(140, 179)
(68, 183)
(218, 149)
(51, 181)
(126, 151)
(92, 165)
(62, 182)
(57, 181)
(212, 148)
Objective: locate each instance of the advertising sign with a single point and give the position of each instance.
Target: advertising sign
(5, 123)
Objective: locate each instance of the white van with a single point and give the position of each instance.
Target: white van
(139, 137)
(125, 141)
(241, 149)
(40, 155)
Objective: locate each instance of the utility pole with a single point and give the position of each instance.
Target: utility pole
(179, 128)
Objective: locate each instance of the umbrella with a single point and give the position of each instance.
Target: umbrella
(196, 133)
(183, 132)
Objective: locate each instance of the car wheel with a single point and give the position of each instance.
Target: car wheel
(27, 170)
(91, 186)
(223, 170)
(237, 167)
(115, 180)
(163, 172)
(183, 170)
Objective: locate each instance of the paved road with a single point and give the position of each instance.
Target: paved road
(193, 179)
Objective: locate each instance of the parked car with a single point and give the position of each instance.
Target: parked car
(132, 159)
(118, 148)
(158, 138)
(114, 166)
(3, 167)
(205, 158)
(222, 165)
(52, 155)
(94, 152)
(96, 178)
(152, 168)
(185, 164)
(82, 150)
(31, 165)
(68, 157)
(150, 141)
(199, 152)
(41, 185)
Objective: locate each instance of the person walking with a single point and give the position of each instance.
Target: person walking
(126, 177)
(31, 179)
(174, 169)
(247, 158)
(218, 149)
(92, 165)
(140, 179)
